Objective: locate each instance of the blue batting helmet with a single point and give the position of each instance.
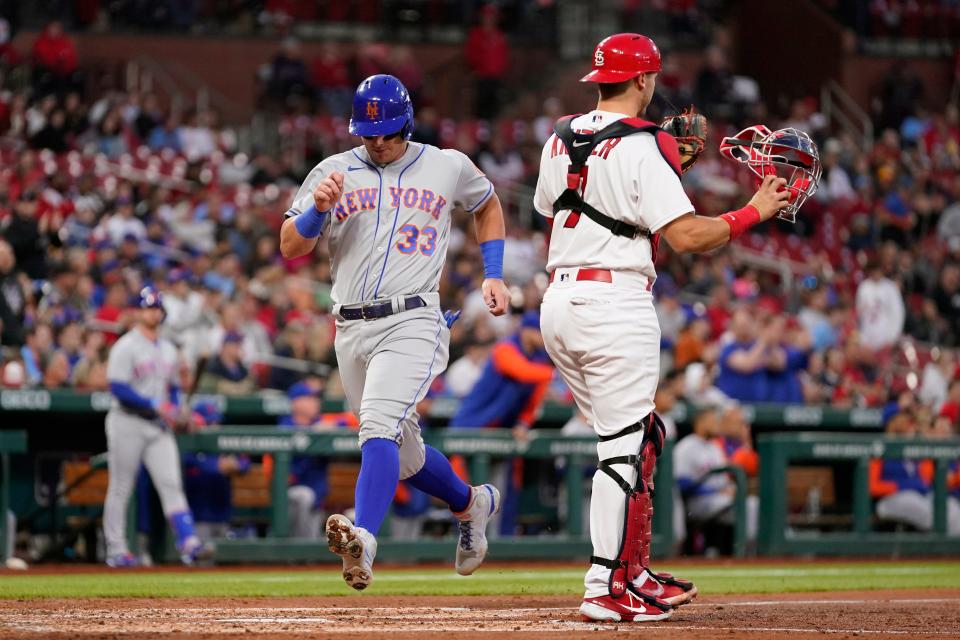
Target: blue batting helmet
(381, 107)
(150, 298)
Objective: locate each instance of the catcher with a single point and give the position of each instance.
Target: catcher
(610, 182)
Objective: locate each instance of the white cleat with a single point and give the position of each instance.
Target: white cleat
(472, 546)
(356, 546)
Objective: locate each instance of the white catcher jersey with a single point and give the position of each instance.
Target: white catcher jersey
(148, 366)
(389, 232)
(627, 179)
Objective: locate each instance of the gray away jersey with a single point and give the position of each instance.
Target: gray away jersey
(147, 366)
(389, 233)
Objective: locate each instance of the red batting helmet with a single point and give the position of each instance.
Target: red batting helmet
(623, 56)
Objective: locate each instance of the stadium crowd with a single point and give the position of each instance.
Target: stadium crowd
(102, 194)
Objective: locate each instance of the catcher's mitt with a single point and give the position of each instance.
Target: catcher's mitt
(690, 130)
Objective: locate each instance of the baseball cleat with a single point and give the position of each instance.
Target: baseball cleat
(356, 546)
(193, 550)
(472, 546)
(629, 607)
(123, 561)
(664, 586)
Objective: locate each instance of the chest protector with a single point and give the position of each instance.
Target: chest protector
(579, 147)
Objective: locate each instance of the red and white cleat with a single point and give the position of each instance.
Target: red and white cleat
(627, 608)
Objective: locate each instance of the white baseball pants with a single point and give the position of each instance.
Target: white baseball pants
(605, 341)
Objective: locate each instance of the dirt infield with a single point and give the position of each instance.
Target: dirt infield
(872, 614)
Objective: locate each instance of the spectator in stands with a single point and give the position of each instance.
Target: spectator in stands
(502, 165)
(743, 361)
(330, 77)
(946, 296)
(936, 375)
(903, 487)
(207, 480)
(405, 67)
(308, 474)
(292, 344)
(488, 56)
(462, 375)
(36, 352)
(166, 135)
(14, 294)
(186, 323)
(714, 84)
(90, 372)
(112, 135)
(197, 139)
(53, 135)
(226, 372)
(880, 309)
(670, 314)
(28, 241)
(56, 375)
(124, 224)
(788, 356)
(55, 59)
(288, 72)
(951, 407)
(813, 316)
(693, 342)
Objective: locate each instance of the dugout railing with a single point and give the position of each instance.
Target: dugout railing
(479, 448)
(852, 453)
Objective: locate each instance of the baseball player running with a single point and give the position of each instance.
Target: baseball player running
(385, 207)
(142, 370)
(610, 182)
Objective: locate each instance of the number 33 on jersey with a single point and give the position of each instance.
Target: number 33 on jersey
(389, 232)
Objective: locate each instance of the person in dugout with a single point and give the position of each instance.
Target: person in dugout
(207, 480)
(903, 489)
(308, 474)
(509, 394)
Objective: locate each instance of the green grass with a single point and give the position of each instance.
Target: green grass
(325, 581)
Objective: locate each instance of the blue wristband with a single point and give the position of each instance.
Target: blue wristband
(492, 251)
(309, 224)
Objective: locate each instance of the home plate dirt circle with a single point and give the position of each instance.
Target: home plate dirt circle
(928, 614)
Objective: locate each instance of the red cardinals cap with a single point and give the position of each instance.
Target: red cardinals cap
(623, 56)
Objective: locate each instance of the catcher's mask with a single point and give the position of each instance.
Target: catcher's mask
(787, 153)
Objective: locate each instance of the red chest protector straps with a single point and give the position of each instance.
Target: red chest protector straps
(579, 147)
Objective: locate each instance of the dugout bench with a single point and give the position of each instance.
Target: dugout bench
(777, 533)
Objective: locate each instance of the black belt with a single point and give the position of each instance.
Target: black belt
(375, 310)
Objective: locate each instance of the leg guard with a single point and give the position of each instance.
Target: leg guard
(651, 449)
(638, 507)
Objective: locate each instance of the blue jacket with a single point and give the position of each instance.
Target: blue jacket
(309, 471)
(509, 390)
(745, 387)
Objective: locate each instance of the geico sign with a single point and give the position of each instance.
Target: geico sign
(32, 400)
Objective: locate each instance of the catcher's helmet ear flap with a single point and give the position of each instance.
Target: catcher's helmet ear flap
(381, 107)
(623, 56)
(792, 155)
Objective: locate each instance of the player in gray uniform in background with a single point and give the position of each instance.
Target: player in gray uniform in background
(385, 208)
(142, 370)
